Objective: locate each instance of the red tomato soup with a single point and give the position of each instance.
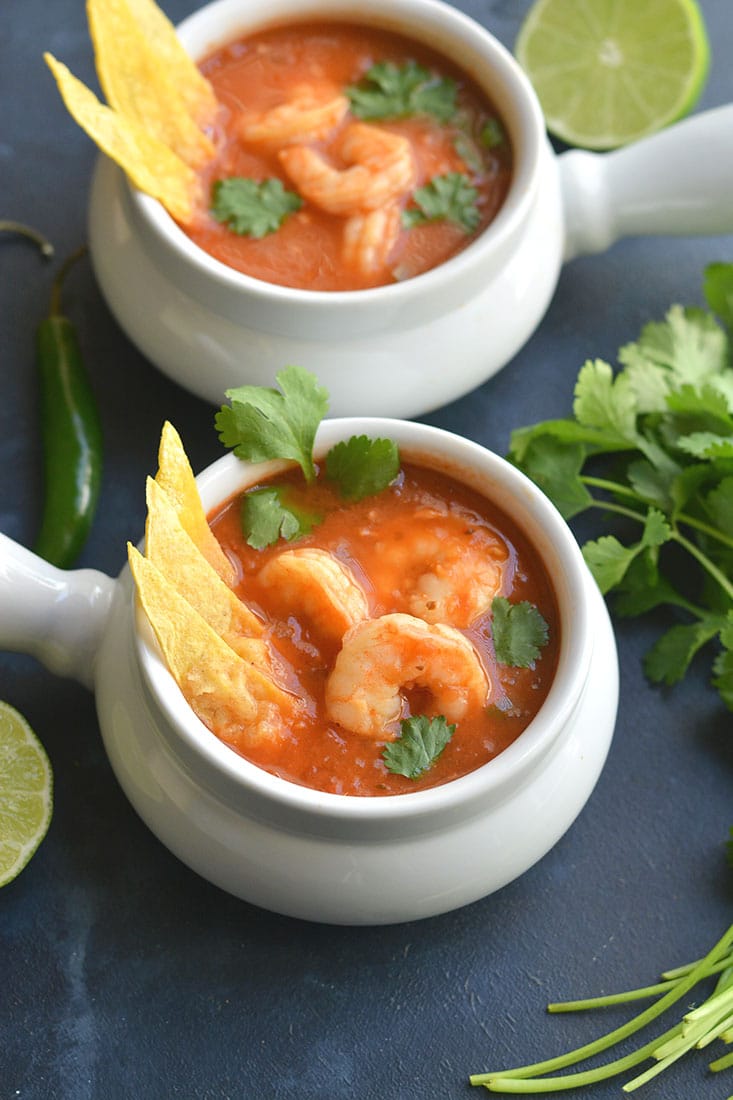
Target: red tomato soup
(390, 158)
(430, 551)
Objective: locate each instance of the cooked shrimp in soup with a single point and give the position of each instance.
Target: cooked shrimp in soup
(382, 614)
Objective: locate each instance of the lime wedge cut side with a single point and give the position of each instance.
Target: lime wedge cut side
(608, 72)
(26, 793)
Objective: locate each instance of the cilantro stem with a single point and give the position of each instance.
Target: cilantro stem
(681, 517)
(705, 562)
(619, 509)
(705, 528)
(675, 536)
(610, 486)
(520, 1079)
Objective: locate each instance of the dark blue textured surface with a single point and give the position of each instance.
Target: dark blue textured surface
(122, 974)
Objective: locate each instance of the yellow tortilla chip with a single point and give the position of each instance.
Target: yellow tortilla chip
(149, 164)
(174, 552)
(195, 90)
(137, 83)
(175, 477)
(236, 701)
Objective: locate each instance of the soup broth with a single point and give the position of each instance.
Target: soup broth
(426, 548)
(364, 218)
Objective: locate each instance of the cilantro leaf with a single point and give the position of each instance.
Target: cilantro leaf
(719, 505)
(669, 658)
(723, 666)
(555, 467)
(362, 466)
(398, 91)
(519, 632)
(451, 197)
(643, 587)
(688, 345)
(252, 208)
(264, 423)
(492, 134)
(651, 485)
(707, 445)
(608, 559)
(266, 518)
(606, 403)
(419, 745)
(718, 291)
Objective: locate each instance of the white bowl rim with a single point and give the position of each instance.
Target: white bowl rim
(528, 144)
(468, 792)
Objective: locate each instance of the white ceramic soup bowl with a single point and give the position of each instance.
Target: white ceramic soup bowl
(319, 856)
(404, 349)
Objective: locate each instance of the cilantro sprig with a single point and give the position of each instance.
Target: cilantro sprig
(362, 466)
(252, 208)
(419, 745)
(519, 632)
(267, 516)
(393, 91)
(262, 423)
(651, 445)
(451, 197)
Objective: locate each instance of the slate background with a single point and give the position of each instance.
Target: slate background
(123, 974)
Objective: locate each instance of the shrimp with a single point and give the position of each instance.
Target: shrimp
(381, 170)
(315, 583)
(312, 114)
(380, 656)
(369, 238)
(445, 569)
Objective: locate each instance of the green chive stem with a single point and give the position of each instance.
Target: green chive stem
(498, 1081)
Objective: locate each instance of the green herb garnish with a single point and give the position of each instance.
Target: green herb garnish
(652, 444)
(398, 91)
(266, 517)
(252, 208)
(362, 466)
(519, 632)
(264, 423)
(492, 134)
(419, 745)
(451, 197)
(698, 1027)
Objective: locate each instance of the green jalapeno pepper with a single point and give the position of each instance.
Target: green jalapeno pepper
(71, 435)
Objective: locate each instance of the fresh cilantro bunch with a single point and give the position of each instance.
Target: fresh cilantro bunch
(652, 444)
(252, 208)
(263, 423)
(398, 91)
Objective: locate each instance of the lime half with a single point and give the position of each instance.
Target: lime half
(607, 72)
(26, 793)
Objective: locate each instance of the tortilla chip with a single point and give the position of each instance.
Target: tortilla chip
(236, 701)
(195, 90)
(174, 552)
(175, 477)
(149, 164)
(137, 83)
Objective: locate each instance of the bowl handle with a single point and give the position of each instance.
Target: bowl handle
(676, 182)
(56, 615)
